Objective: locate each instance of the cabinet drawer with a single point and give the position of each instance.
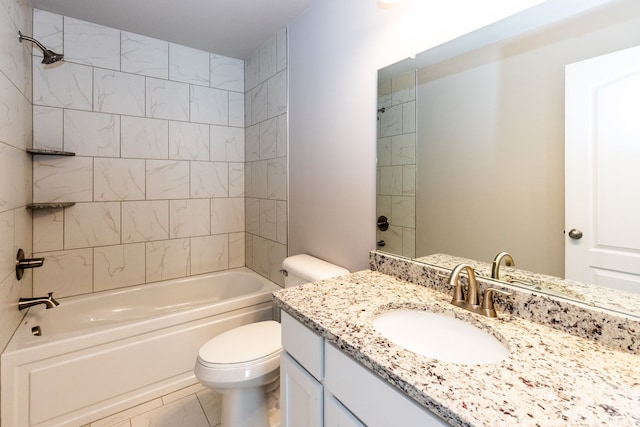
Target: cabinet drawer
(373, 401)
(303, 345)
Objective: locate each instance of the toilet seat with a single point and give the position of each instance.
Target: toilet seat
(241, 354)
(243, 344)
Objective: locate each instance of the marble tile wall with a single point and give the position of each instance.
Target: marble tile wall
(159, 173)
(396, 169)
(266, 157)
(15, 163)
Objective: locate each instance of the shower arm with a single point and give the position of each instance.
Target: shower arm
(32, 40)
(48, 56)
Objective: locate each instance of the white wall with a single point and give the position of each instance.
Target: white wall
(335, 50)
(15, 163)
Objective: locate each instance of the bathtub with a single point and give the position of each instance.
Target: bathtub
(98, 354)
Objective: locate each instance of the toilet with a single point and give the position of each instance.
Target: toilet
(242, 362)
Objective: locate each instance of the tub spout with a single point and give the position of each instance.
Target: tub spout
(49, 301)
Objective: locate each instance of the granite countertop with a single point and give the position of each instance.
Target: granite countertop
(551, 378)
(600, 296)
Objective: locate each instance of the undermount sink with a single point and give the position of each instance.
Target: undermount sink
(440, 337)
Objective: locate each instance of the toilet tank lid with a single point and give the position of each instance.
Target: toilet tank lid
(243, 344)
(312, 268)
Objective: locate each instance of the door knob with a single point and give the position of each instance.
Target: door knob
(575, 234)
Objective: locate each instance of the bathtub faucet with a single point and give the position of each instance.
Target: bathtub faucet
(22, 263)
(49, 301)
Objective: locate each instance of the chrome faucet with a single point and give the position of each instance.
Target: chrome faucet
(49, 301)
(472, 301)
(497, 261)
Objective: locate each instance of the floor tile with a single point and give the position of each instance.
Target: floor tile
(212, 404)
(185, 412)
(124, 416)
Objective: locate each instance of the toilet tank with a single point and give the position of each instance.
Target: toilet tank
(305, 268)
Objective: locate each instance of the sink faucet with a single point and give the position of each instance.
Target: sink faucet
(472, 301)
(49, 301)
(495, 267)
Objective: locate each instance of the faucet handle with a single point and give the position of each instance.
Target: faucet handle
(487, 301)
(22, 263)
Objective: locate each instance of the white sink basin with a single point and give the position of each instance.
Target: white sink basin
(440, 337)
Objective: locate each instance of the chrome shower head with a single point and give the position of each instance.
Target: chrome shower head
(49, 56)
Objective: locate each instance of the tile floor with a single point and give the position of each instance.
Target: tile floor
(194, 406)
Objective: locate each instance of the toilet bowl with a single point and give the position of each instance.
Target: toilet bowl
(242, 362)
(239, 364)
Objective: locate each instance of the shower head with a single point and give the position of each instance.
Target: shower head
(49, 56)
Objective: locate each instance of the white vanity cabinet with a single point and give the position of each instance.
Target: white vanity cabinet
(321, 386)
(301, 395)
(301, 375)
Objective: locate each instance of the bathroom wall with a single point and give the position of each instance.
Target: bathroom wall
(15, 163)
(335, 50)
(396, 163)
(266, 157)
(158, 176)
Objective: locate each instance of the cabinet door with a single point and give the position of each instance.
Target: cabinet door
(336, 415)
(301, 395)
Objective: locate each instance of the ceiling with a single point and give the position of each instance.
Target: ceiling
(234, 28)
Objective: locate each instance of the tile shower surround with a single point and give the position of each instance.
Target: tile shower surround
(164, 183)
(396, 167)
(15, 164)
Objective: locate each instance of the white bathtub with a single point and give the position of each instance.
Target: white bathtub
(102, 353)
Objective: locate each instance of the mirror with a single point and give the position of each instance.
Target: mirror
(471, 138)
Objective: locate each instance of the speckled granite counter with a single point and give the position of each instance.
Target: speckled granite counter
(551, 378)
(614, 329)
(596, 296)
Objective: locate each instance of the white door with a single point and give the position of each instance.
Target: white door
(602, 170)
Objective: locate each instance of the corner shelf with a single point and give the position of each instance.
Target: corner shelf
(38, 206)
(46, 152)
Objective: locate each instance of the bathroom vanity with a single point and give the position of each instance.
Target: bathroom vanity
(315, 386)
(338, 370)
